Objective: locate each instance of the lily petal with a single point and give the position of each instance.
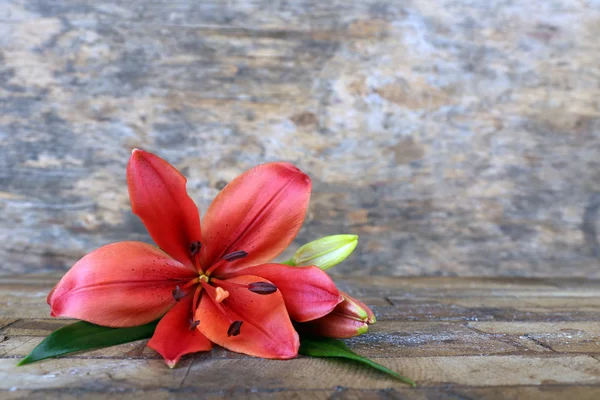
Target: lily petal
(119, 285)
(259, 212)
(266, 330)
(159, 197)
(308, 292)
(176, 335)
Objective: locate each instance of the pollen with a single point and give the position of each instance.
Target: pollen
(195, 248)
(236, 255)
(178, 294)
(262, 287)
(194, 324)
(234, 328)
(221, 294)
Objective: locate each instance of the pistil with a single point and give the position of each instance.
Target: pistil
(221, 294)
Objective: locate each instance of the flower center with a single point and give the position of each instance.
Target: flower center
(216, 290)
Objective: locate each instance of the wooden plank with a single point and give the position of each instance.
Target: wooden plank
(558, 392)
(563, 337)
(385, 339)
(303, 373)
(423, 310)
(420, 339)
(70, 373)
(469, 370)
(4, 322)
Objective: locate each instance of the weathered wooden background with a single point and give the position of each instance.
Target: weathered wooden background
(454, 136)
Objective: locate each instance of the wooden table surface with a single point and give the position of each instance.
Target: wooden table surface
(459, 338)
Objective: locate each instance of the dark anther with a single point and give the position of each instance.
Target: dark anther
(195, 247)
(194, 324)
(262, 287)
(236, 255)
(234, 328)
(178, 293)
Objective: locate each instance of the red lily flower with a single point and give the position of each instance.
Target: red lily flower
(211, 284)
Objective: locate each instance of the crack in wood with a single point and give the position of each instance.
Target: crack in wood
(540, 343)
(186, 373)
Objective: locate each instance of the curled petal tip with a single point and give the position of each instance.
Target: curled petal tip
(355, 308)
(171, 363)
(135, 152)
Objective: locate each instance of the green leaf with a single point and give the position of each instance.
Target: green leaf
(84, 336)
(336, 348)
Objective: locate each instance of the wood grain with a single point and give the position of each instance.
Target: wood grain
(455, 137)
(502, 354)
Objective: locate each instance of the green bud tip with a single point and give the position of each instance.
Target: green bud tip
(362, 329)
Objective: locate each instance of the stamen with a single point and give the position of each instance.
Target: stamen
(236, 255)
(234, 328)
(178, 293)
(262, 287)
(221, 295)
(194, 324)
(255, 287)
(196, 298)
(195, 247)
(191, 283)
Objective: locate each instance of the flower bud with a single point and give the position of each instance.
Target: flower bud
(333, 325)
(354, 308)
(348, 319)
(326, 252)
